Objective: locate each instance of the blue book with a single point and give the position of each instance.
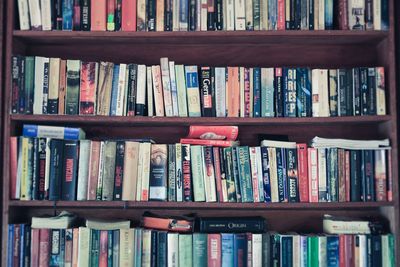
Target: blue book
(385, 15)
(110, 246)
(193, 92)
(304, 250)
(25, 245)
(303, 87)
(67, 13)
(240, 250)
(286, 250)
(54, 132)
(245, 178)
(328, 14)
(332, 251)
(289, 90)
(227, 249)
(56, 256)
(10, 246)
(200, 250)
(115, 242)
(138, 246)
(256, 92)
(21, 244)
(183, 14)
(280, 156)
(114, 91)
(272, 14)
(162, 249)
(266, 174)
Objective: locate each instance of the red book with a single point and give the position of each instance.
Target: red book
(93, 169)
(77, 15)
(217, 169)
(68, 247)
(342, 256)
(313, 174)
(98, 15)
(13, 166)
(35, 239)
(349, 250)
(88, 86)
(129, 15)
(214, 250)
(44, 245)
(281, 15)
(342, 15)
(347, 175)
(389, 178)
(380, 175)
(249, 249)
(103, 248)
(219, 143)
(302, 172)
(247, 93)
(254, 173)
(17, 244)
(229, 133)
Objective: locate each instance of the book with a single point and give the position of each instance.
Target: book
(30, 130)
(193, 95)
(212, 132)
(72, 89)
(88, 88)
(158, 173)
(63, 221)
(231, 225)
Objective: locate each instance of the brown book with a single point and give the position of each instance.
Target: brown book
(16, 244)
(93, 169)
(62, 86)
(104, 88)
(342, 15)
(347, 175)
(35, 239)
(130, 174)
(44, 247)
(160, 16)
(233, 92)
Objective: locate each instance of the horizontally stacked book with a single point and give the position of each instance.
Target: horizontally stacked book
(202, 15)
(103, 243)
(54, 86)
(209, 165)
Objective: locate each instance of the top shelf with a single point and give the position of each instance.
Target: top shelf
(335, 37)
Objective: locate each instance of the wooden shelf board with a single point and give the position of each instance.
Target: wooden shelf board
(334, 37)
(179, 121)
(196, 205)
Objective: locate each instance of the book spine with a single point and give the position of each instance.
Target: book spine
(132, 91)
(322, 175)
(171, 173)
(292, 175)
(206, 91)
(16, 61)
(98, 15)
(313, 174)
(266, 174)
(29, 84)
(193, 96)
(349, 93)
(158, 173)
(158, 91)
(23, 14)
(56, 169)
(72, 90)
(146, 149)
(380, 175)
(94, 159)
(105, 81)
(302, 158)
(166, 85)
(35, 15)
(62, 87)
(257, 92)
(368, 163)
(149, 85)
(333, 175)
(70, 170)
(245, 179)
(278, 92)
(174, 88)
(128, 15)
(120, 103)
(88, 88)
(76, 19)
(67, 15)
(220, 91)
(209, 174)
(218, 172)
(356, 92)
(380, 91)
(54, 81)
(254, 173)
(355, 175)
(214, 250)
(21, 86)
(230, 181)
(179, 172)
(108, 170)
(119, 170)
(83, 169)
(85, 15)
(197, 163)
(260, 175)
(187, 173)
(333, 93)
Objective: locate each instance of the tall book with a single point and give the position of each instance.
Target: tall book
(158, 172)
(88, 88)
(72, 91)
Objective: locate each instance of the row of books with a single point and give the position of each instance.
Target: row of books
(202, 15)
(145, 247)
(197, 170)
(54, 86)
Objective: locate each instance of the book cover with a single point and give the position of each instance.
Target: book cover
(119, 170)
(128, 15)
(209, 174)
(56, 132)
(197, 167)
(303, 84)
(88, 88)
(70, 170)
(72, 90)
(193, 95)
(158, 172)
(56, 168)
(67, 15)
(172, 195)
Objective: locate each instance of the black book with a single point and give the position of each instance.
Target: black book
(356, 92)
(58, 18)
(376, 249)
(77, 21)
(16, 60)
(278, 82)
(342, 80)
(297, 15)
(85, 15)
(219, 18)
(303, 91)
(26, 245)
(235, 172)
(292, 177)
(349, 92)
(35, 169)
(206, 96)
(151, 15)
(232, 225)
(332, 174)
(154, 249)
(21, 86)
(119, 170)
(280, 162)
(275, 250)
(162, 249)
(70, 170)
(355, 176)
(364, 90)
(311, 14)
(368, 173)
(42, 168)
(192, 15)
(56, 168)
(187, 173)
(118, 15)
(168, 15)
(371, 91)
(211, 14)
(132, 90)
(292, 23)
(171, 173)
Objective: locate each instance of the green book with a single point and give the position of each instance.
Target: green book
(94, 247)
(245, 179)
(196, 154)
(185, 250)
(199, 250)
(313, 252)
(29, 84)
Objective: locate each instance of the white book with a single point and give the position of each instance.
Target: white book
(224, 15)
(380, 91)
(54, 83)
(139, 174)
(101, 172)
(319, 142)
(131, 158)
(230, 15)
(313, 173)
(257, 250)
(175, 15)
(322, 189)
(316, 13)
(146, 148)
(296, 248)
(193, 93)
(126, 249)
(173, 252)
(23, 13)
(273, 174)
(150, 103)
(251, 91)
(240, 15)
(362, 239)
(203, 15)
(320, 94)
(125, 103)
(264, 15)
(198, 15)
(181, 90)
(38, 86)
(280, 144)
(141, 89)
(356, 14)
(254, 173)
(83, 247)
(209, 176)
(47, 167)
(83, 169)
(343, 225)
(121, 90)
(321, 15)
(45, 6)
(322, 259)
(35, 16)
(249, 15)
(174, 89)
(179, 172)
(166, 85)
(146, 248)
(220, 83)
(260, 174)
(158, 91)
(241, 91)
(315, 93)
(141, 15)
(377, 16)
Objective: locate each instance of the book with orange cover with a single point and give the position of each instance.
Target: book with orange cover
(98, 15)
(62, 86)
(204, 142)
(233, 92)
(88, 88)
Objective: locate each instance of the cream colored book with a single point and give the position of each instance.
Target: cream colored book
(240, 15)
(145, 149)
(126, 249)
(84, 247)
(158, 91)
(131, 158)
(273, 173)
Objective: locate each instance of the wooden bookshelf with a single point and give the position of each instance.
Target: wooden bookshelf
(325, 49)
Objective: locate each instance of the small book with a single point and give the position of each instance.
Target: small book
(107, 225)
(229, 133)
(56, 132)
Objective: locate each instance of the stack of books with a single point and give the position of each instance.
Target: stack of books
(202, 15)
(57, 163)
(43, 85)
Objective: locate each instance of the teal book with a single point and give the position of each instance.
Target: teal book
(114, 91)
(162, 249)
(227, 249)
(200, 250)
(286, 250)
(57, 247)
(245, 173)
(256, 92)
(186, 250)
(197, 160)
(313, 251)
(240, 250)
(94, 247)
(29, 83)
(138, 246)
(115, 246)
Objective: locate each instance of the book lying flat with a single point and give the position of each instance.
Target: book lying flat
(319, 142)
(107, 225)
(63, 221)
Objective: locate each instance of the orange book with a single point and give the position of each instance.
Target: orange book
(160, 16)
(93, 170)
(75, 246)
(35, 247)
(98, 15)
(103, 248)
(88, 88)
(13, 166)
(62, 84)
(129, 15)
(205, 142)
(233, 92)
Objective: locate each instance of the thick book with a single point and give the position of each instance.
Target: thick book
(200, 249)
(187, 173)
(108, 170)
(186, 250)
(55, 132)
(158, 172)
(245, 179)
(231, 225)
(214, 249)
(70, 170)
(72, 90)
(56, 169)
(83, 169)
(129, 15)
(88, 88)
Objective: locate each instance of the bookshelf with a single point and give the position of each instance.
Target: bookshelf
(325, 49)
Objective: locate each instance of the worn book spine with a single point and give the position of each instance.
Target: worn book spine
(380, 174)
(158, 91)
(254, 173)
(333, 174)
(88, 88)
(35, 17)
(171, 173)
(187, 173)
(94, 158)
(83, 169)
(119, 170)
(54, 80)
(356, 92)
(158, 172)
(145, 150)
(98, 15)
(72, 90)
(166, 86)
(131, 158)
(104, 88)
(174, 89)
(70, 170)
(380, 91)
(128, 15)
